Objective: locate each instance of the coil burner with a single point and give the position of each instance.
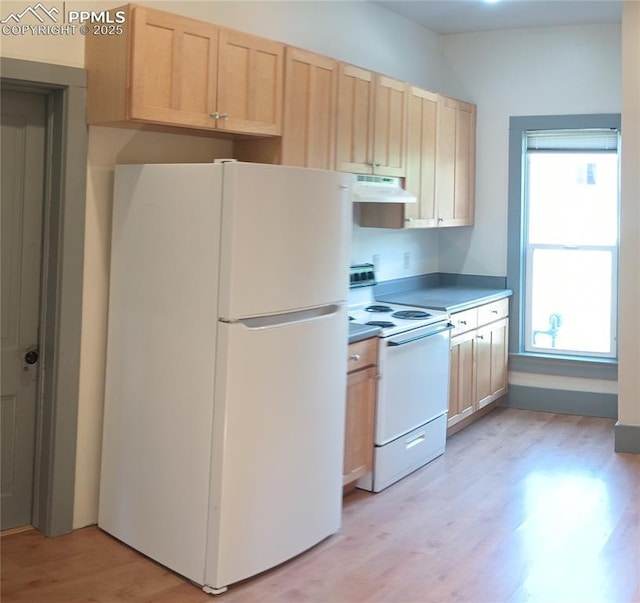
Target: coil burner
(411, 314)
(383, 324)
(378, 309)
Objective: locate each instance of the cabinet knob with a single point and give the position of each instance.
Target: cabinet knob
(480, 336)
(355, 357)
(440, 219)
(223, 116)
(462, 322)
(494, 311)
(214, 115)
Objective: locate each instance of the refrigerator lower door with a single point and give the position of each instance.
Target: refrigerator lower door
(276, 487)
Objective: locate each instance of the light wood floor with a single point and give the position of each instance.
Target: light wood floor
(523, 506)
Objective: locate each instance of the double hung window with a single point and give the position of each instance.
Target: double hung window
(569, 242)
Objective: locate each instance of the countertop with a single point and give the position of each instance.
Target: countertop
(450, 299)
(439, 291)
(358, 332)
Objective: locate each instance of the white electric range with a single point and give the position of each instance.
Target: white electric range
(413, 384)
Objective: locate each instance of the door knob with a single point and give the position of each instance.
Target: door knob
(31, 356)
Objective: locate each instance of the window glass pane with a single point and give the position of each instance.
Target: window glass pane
(571, 300)
(572, 198)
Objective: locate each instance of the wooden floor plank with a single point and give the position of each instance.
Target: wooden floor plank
(523, 506)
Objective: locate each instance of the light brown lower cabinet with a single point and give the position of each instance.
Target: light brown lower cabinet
(491, 381)
(462, 378)
(478, 361)
(359, 419)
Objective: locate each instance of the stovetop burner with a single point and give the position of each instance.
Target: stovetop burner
(390, 317)
(384, 324)
(376, 308)
(411, 314)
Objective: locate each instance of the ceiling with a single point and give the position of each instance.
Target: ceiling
(461, 16)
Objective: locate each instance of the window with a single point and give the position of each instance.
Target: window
(567, 239)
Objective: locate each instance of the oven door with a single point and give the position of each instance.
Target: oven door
(413, 387)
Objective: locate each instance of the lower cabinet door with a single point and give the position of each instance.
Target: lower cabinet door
(358, 438)
(491, 362)
(462, 387)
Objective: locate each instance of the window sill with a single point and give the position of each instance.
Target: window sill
(565, 366)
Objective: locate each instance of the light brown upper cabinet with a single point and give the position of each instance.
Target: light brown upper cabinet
(420, 173)
(421, 159)
(455, 161)
(171, 70)
(308, 134)
(250, 79)
(371, 124)
(440, 166)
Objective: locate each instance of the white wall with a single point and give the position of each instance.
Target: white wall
(538, 71)
(62, 50)
(629, 339)
(390, 247)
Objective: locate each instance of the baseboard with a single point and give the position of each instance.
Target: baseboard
(627, 438)
(568, 402)
(19, 530)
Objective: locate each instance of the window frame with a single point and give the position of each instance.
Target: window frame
(520, 359)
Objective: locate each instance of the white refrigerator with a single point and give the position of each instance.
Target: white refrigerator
(226, 365)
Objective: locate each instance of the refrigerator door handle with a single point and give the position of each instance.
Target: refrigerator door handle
(287, 318)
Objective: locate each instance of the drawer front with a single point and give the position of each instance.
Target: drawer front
(464, 321)
(493, 311)
(397, 459)
(362, 354)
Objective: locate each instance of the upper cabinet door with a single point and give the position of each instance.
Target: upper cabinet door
(308, 136)
(390, 127)
(421, 159)
(372, 123)
(354, 134)
(455, 161)
(250, 79)
(173, 69)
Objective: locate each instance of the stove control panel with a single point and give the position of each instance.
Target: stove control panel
(362, 275)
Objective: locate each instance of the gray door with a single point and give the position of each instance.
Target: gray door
(23, 151)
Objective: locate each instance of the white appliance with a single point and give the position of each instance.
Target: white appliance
(226, 365)
(413, 385)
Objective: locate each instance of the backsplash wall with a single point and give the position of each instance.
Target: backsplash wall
(396, 253)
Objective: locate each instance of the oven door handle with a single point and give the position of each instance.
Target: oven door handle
(447, 327)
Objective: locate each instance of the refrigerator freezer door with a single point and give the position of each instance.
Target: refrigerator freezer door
(285, 239)
(278, 442)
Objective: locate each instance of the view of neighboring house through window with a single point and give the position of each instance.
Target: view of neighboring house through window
(570, 242)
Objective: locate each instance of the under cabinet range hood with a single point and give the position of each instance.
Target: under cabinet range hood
(380, 189)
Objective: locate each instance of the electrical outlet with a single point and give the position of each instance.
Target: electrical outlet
(407, 260)
(376, 261)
